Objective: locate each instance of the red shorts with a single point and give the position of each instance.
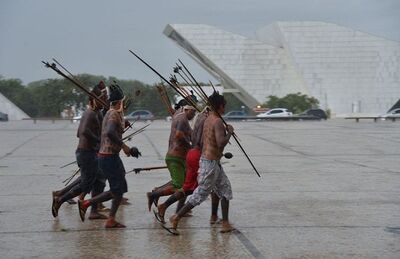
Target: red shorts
(192, 168)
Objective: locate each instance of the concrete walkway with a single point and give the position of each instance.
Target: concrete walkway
(329, 189)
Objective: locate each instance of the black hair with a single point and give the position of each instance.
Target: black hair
(216, 100)
(116, 93)
(180, 104)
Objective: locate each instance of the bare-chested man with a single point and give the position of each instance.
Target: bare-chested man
(89, 131)
(109, 161)
(211, 174)
(192, 166)
(178, 146)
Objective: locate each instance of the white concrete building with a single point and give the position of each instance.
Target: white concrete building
(13, 111)
(346, 70)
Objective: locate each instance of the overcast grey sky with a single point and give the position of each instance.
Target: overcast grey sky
(93, 36)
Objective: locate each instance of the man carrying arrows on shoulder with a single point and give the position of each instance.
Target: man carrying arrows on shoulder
(178, 147)
(109, 161)
(89, 131)
(192, 166)
(211, 174)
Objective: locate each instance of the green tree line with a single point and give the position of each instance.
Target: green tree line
(296, 103)
(48, 98)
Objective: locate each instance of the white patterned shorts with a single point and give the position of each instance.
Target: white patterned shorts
(211, 178)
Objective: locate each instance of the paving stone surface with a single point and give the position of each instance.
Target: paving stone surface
(328, 189)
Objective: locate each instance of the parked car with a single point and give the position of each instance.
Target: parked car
(235, 115)
(319, 113)
(392, 113)
(276, 112)
(3, 116)
(140, 115)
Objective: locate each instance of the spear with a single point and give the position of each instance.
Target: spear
(136, 132)
(176, 70)
(163, 78)
(137, 170)
(127, 137)
(155, 71)
(212, 86)
(71, 75)
(53, 66)
(68, 180)
(130, 125)
(184, 93)
(227, 155)
(219, 115)
(73, 162)
(164, 97)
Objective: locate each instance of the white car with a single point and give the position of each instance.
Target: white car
(76, 118)
(276, 112)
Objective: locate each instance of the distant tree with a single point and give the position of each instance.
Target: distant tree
(296, 103)
(52, 96)
(48, 98)
(17, 93)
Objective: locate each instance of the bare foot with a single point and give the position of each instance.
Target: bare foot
(100, 205)
(227, 227)
(125, 201)
(102, 208)
(213, 219)
(112, 223)
(174, 220)
(188, 214)
(174, 225)
(96, 215)
(161, 211)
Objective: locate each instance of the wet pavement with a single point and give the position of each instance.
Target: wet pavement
(329, 189)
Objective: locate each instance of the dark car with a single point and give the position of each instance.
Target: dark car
(140, 115)
(319, 113)
(235, 115)
(3, 116)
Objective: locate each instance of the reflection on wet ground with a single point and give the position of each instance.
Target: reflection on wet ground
(328, 190)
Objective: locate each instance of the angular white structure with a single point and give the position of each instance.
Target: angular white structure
(13, 111)
(346, 70)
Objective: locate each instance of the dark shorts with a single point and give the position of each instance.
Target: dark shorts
(114, 171)
(100, 183)
(87, 162)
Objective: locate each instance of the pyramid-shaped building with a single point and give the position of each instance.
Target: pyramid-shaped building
(9, 108)
(346, 70)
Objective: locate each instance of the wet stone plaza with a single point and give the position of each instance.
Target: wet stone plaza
(328, 189)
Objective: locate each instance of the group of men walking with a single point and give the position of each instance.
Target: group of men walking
(193, 161)
(97, 155)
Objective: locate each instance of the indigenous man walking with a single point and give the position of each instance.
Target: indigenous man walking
(109, 161)
(192, 166)
(211, 174)
(178, 147)
(89, 131)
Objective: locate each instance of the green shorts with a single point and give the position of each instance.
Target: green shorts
(177, 170)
